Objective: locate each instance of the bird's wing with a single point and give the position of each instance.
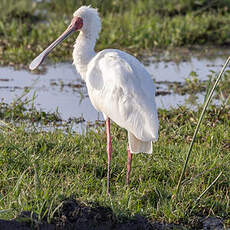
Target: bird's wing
(120, 87)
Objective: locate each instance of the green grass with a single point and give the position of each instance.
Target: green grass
(27, 28)
(40, 169)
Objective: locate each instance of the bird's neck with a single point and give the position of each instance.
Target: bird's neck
(83, 52)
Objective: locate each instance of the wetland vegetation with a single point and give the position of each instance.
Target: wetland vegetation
(41, 169)
(27, 26)
(58, 176)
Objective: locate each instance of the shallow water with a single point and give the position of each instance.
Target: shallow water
(172, 71)
(61, 87)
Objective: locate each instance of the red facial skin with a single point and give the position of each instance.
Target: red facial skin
(77, 23)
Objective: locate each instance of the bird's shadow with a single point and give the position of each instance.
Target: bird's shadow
(72, 214)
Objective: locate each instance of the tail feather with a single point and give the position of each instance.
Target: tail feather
(138, 146)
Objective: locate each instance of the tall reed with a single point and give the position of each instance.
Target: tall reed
(198, 125)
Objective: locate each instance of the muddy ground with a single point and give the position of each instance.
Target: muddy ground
(73, 215)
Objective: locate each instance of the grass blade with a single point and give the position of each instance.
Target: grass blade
(205, 191)
(208, 187)
(198, 125)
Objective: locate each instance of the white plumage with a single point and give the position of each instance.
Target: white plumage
(118, 85)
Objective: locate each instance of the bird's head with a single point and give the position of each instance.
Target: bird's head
(85, 19)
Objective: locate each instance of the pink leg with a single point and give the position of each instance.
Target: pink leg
(128, 165)
(109, 152)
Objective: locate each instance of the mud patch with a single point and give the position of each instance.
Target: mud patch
(74, 215)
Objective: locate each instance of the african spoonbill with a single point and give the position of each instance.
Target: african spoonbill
(118, 85)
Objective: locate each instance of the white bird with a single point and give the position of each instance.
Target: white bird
(118, 85)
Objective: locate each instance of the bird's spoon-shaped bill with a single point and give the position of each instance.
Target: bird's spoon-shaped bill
(40, 58)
